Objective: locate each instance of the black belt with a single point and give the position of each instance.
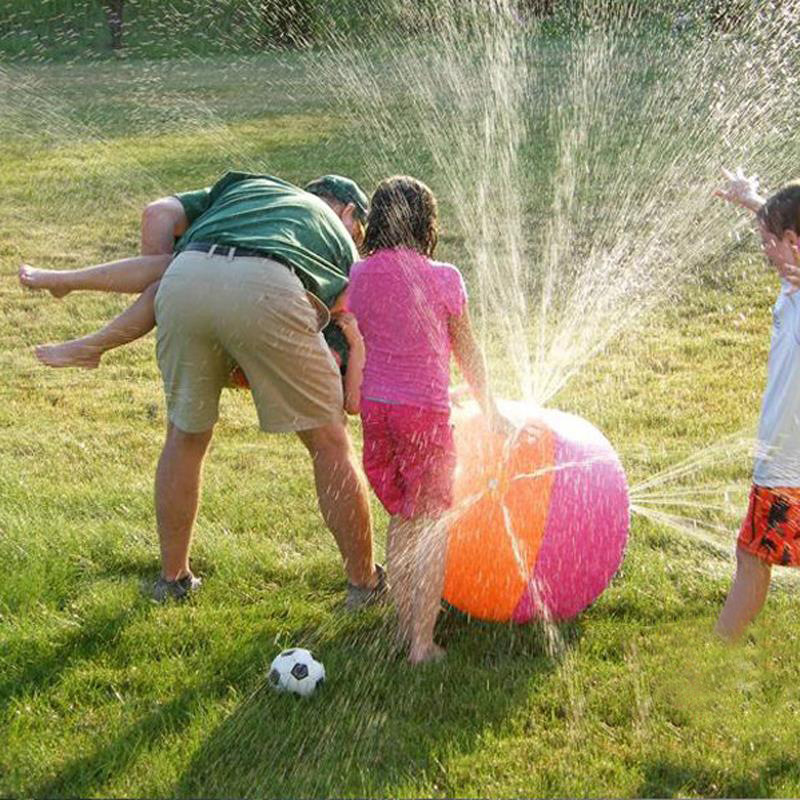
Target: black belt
(233, 251)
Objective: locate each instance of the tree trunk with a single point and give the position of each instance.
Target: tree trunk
(286, 23)
(114, 9)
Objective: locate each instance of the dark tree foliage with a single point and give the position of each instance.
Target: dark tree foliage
(288, 23)
(727, 15)
(537, 8)
(114, 16)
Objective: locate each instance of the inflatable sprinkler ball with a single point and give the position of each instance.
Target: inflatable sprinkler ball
(539, 522)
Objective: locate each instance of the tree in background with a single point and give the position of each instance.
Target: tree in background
(288, 23)
(114, 10)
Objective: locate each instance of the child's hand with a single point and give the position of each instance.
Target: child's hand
(740, 190)
(237, 379)
(791, 274)
(349, 326)
(500, 424)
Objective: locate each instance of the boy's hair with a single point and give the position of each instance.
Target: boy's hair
(781, 211)
(403, 213)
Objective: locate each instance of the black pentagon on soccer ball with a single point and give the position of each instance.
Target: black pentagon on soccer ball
(287, 652)
(300, 671)
(274, 677)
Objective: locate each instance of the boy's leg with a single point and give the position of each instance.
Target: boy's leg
(163, 221)
(428, 584)
(126, 276)
(746, 597)
(177, 494)
(133, 323)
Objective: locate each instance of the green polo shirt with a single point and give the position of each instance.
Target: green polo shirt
(263, 213)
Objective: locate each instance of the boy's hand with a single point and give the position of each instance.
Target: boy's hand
(349, 326)
(790, 273)
(740, 190)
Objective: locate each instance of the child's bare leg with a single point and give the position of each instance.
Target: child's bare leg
(746, 597)
(127, 276)
(428, 584)
(399, 567)
(133, 323)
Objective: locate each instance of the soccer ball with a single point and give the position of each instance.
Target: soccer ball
(296, 671)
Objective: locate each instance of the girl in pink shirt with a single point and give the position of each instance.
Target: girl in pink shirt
(412, 313)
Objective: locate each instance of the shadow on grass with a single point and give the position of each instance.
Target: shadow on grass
(665, 778)
(377, 725)
(43, 664)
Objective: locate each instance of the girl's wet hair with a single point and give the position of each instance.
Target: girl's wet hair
(781, 211)
(403, 213)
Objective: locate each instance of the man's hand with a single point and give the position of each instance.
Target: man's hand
(740, 190)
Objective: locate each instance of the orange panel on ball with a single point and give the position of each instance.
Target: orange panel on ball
(485, 574)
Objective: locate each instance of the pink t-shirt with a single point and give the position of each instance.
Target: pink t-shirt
(403, 301)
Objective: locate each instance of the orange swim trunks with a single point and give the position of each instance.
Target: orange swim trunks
(771, 527)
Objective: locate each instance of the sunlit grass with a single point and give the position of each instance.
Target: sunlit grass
(103, 693)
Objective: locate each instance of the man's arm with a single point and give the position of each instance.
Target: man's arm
(167, 219)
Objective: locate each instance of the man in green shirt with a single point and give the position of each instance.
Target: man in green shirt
(259, 262)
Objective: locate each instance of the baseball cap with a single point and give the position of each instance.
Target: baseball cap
(343, 189)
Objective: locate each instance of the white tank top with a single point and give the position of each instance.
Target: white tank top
(778, 449)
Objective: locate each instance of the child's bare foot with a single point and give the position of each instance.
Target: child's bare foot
(50, 279)
(426, 655)
(76, 353)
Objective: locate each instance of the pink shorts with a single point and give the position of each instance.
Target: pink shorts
(409, 457)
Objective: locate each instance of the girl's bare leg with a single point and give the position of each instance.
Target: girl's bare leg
(127, 276)
(746, 597)
(133, 323)
(400, 569)
(430, 544)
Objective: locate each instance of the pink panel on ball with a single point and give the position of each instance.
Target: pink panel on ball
(587, 525)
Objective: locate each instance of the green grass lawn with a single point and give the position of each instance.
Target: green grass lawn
(103, 693)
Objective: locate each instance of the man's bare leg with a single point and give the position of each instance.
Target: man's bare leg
(177, 495)
(86, 352)
(343, 500)
(746, 597)
(126, 276)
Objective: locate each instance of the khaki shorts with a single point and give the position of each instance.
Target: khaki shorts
(216, 311)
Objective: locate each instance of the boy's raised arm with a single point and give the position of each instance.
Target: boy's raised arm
(740, 190)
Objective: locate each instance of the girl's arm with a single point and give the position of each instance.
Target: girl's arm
(355, 360)
(473, 364)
